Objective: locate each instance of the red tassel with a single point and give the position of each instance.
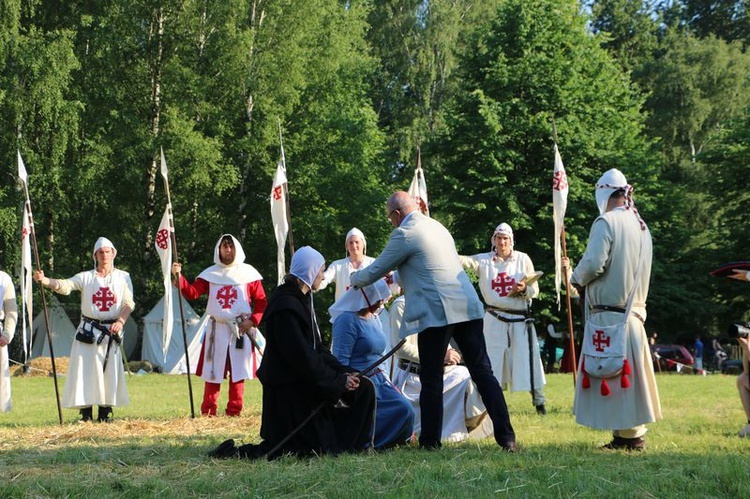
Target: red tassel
(586, 382)
(626, 367)
(624, 381)
(605, 388)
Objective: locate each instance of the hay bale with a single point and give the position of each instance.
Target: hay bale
(42, 366)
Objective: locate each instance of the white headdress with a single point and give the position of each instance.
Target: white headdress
(612, 181)
(306, 264)
(504, 229)
(356, 299)
(103, 242)
(356, 232)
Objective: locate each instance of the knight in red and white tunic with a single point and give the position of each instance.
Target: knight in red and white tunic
(507, 298)
(232, 343)
(96, 375)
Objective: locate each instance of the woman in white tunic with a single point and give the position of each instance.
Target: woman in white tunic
(338, 272)
(96, 375)
(508, 329)
(8, 319)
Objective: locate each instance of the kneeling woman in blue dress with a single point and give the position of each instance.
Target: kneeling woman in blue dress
(358, 341)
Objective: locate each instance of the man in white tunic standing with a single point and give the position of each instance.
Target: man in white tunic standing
(8, 320)
(614, 274)
(508, 329)
(96, 375)
(236, 302)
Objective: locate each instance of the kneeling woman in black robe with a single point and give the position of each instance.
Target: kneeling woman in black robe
(300, 377)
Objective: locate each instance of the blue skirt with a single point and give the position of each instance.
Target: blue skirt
(394, 416)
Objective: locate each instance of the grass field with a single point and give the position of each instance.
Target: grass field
(154, 449)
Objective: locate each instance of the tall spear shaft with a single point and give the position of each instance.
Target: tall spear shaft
(179, 292)
(41, 291)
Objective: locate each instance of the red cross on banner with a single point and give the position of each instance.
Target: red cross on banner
(162, 239)
(559, 181)
(600, 340)
(226, 296)
(503, 284)
(277, 192)
(103, 299)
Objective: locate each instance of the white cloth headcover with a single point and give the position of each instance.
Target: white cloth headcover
(306, 264)
(356, 299)
(504, 229)
(236, 272)
(612, 180)
(356, 232)
(103, 242)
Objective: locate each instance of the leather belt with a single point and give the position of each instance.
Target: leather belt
(98, 321)
(619, 310)
(408, 366)
(495, 312)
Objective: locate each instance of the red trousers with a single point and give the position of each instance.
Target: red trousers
(211, 395)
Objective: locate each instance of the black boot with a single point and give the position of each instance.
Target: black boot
(87, 414)
(225, 450)
(105, 414)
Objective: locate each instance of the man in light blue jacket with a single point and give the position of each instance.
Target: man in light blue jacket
(441, 304)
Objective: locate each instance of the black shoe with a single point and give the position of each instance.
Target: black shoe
(87, 414)
(225, 450)
(541, 410)
(619, 443)
(105, 414)
(509, 447)
(252, 451)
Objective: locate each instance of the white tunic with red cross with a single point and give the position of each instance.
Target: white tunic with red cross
(227, 301)
(508, 342)
(87, 383)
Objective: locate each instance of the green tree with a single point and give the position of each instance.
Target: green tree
(532, 63)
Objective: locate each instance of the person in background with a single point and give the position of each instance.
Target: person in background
(96, 375)
(339, 271)
(743, 383)
(236, 301)
(8, 320)
(512, 343)
(698, 349)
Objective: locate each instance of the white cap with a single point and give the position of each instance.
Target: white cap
(504, 229)
(356, 232)
(612, 181)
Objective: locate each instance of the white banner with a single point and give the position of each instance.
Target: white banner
(163, 243)
(418, 190)
(559, 205)
(278, 214)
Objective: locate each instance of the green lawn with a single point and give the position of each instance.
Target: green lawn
(154, 449)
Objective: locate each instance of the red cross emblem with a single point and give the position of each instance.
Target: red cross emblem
(162, 239)
(503, 284)
(600, 340)
(24, 233)
(277, 192)
(103, 299)
(559, 181)
(226, 296)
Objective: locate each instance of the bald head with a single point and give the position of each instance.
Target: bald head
(402, 202)
(399, 205)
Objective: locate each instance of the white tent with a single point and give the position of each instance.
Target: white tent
(152, 350)
(61, 329)
(63, 332)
